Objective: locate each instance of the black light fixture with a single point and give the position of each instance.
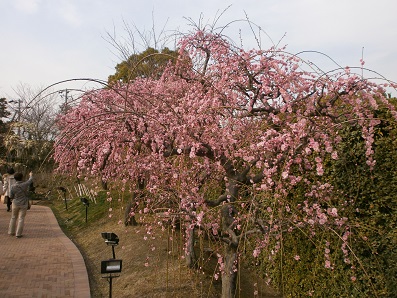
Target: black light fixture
(111, 266)
(86, 203)
(111, 239)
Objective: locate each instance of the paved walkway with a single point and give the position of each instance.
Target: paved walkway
(43, 263)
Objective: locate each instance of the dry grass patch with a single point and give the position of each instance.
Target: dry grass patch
(154, 267)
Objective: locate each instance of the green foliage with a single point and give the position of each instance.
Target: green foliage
(369, 198)
(374, 195)
(149, 63)
(307, 275)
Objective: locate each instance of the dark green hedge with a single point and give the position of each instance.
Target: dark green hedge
(370, 202)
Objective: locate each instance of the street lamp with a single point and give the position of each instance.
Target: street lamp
(113, 265)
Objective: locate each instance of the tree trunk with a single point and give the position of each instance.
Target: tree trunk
(129, 220)
(229, 275)
(190, 254)
(104, 185)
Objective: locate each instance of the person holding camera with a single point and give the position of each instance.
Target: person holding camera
(20, 203)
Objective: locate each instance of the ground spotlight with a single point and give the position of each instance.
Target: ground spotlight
(86, 203)
(111, 266)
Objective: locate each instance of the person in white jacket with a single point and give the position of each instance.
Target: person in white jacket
(20, 203)
(1, 186)
(9, 181)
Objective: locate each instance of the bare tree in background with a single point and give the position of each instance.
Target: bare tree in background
(32, 130)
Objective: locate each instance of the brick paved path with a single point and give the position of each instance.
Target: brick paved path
(43, 263)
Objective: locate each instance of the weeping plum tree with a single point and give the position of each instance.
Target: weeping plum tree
(253, 123)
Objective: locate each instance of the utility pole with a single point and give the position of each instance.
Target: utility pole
(19, 118)
(18, 114)
(64, 93)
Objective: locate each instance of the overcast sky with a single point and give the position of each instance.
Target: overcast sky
(46, 41)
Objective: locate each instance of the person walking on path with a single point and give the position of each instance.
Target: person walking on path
(1, 186)
(9, 181)
(20, 203)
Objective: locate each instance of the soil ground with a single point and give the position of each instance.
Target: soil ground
(153, 267)
(152, 263)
